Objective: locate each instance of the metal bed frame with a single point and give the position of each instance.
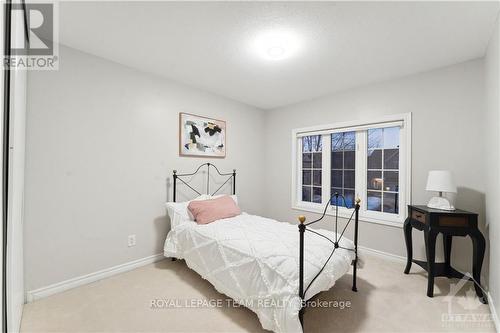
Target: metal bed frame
(303, 227)
(177, 176)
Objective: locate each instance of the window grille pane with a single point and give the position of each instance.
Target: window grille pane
(375, 138)
(374, 180)
(349, 179)
(343, 157)
(316, 143)
(307, 160)
(391, 180)
(306, 193)
(317, 160)
(349, 159)
(307, 144)
(391, 137)
(349, 198)
(391, 203)
(391, 159)
(375, 159)
(337, 160)
(349, 140)
(306, 177)
(336, 178)
(317, 194)
(317, 177)
(337, 142)
(374, 201)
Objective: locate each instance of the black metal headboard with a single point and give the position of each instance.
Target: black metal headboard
(177, 176)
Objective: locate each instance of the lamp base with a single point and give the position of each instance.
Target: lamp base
(440, 203)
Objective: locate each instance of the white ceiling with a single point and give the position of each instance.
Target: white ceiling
(344, 44)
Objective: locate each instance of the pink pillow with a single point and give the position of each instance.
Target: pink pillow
(206, 211)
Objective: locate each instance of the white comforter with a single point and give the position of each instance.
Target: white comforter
(254, 260)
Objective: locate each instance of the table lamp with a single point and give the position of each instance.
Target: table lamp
(440, 181)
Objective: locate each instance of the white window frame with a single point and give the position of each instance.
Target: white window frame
(402, 120)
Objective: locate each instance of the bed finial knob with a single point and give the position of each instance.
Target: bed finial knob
(358, 200)
(175, 171)
(234, 170)
(302, 219)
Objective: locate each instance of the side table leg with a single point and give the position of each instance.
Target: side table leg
(478, 245)
(447, 253)
(430, 249)
(409, 247)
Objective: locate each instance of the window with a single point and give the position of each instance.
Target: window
(383, 170)
(369, 160)
(343, 167)
(311, 168)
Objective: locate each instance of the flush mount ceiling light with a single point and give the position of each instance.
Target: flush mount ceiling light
(276, 44)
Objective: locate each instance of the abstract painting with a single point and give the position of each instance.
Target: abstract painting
(201, 136)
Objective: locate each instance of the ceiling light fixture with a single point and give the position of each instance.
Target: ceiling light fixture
(276, 44)
(275, 51)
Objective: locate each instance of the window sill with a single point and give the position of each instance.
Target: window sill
(346, 214)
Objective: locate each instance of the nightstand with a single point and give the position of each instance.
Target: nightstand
(449, 223)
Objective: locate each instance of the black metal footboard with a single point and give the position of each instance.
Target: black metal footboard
(303, 228)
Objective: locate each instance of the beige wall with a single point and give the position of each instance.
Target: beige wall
(492, 75)
(447, 114)
(101, 145)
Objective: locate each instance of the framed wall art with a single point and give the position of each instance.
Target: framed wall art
(201, 136)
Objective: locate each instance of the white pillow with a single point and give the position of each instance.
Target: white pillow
(179, 213)
(234, 197)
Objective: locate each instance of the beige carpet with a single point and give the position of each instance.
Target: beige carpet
(387, 300)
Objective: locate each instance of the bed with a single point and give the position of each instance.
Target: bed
(261, 263)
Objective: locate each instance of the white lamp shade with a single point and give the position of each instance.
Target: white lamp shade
(441, 181)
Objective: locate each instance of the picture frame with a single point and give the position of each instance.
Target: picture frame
(201, 136)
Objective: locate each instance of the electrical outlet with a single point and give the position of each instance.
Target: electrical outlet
(131, 240)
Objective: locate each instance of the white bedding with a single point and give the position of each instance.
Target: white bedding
(251, 259)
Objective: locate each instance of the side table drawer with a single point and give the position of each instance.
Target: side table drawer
(453, 221)
(419, 216)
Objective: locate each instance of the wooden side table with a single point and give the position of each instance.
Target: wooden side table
(449, 223)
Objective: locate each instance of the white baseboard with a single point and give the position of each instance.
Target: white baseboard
(494, 313)
(385, 255)
(55, 288)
